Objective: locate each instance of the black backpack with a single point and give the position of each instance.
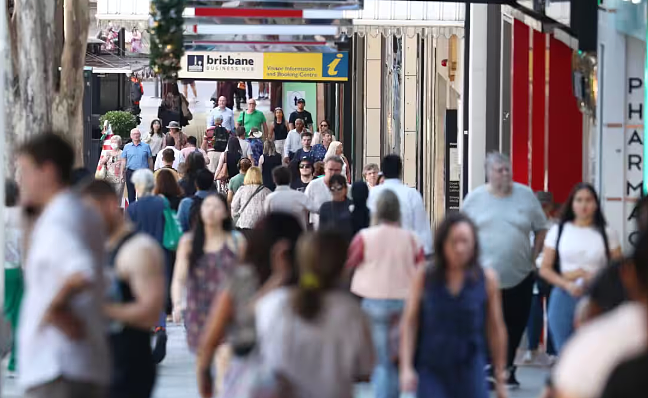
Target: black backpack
(221, 136)
(194, 211)
(136, 92)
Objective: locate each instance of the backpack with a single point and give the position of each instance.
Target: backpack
(194, 210)
(221, 136)
(136, 92)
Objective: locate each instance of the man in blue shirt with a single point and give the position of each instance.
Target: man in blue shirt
(135, 156)
(204, 186)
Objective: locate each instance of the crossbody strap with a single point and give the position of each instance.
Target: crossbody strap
(250, 199)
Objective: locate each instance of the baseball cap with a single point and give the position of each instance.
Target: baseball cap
(303, 101)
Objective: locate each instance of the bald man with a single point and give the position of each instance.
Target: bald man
(220, 109)
(135, 156)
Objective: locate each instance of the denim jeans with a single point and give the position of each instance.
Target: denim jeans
(535, 326)
(562, 307)
(385, 375)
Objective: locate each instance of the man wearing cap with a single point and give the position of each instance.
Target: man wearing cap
(252, 118)
(305, 176)
(226, 114)
(302, 114)
(180, 138)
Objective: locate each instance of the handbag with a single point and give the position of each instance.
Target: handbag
(223, 174)
(185, 109)
(236, 217)
(172, 229)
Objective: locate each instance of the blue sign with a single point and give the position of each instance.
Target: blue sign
(195, 63)
(335, 65)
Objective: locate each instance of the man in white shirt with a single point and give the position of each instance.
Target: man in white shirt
(223, 111)
(413, 214)
(62, 344)
(179, 157)
(318, 190)
(287, 200)
(293, 141)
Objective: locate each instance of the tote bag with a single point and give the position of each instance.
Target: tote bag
(172, 229)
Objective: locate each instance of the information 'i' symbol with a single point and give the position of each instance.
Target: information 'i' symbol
(332, 67)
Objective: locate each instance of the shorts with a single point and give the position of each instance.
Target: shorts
(213, 157)
(187, 82)
(279, 146)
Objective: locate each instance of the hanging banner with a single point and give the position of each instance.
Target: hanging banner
(315, 67)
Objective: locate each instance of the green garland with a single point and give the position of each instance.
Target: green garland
(167, 43)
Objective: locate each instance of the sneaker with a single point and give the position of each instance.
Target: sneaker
(159, 345)
(511, 381)
(490, 379)
(529, 357)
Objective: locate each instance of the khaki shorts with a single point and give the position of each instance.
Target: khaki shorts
(214, 157)
(63, 388)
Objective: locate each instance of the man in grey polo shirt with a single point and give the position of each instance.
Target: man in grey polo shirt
(505, 214)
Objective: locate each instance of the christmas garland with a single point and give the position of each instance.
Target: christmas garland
(167, 43)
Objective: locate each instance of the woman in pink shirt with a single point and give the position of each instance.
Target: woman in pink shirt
(384, 259)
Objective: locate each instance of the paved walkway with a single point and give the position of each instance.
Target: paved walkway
(176, 375)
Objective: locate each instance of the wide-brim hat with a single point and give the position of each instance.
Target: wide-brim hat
(174, 125)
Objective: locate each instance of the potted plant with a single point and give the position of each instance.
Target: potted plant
(121, 122)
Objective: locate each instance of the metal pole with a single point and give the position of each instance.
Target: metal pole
(4, 51)
(157, 86)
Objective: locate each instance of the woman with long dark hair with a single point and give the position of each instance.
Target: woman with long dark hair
(167, 186)
(155, 138)
(269, 264)
(279, 130)
(575, 250)
(360, 215)
(194, 163)
(205, 261)
(315, 334)
(229, 159)
(453, 312)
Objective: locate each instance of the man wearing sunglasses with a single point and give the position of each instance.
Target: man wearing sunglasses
(319, 189)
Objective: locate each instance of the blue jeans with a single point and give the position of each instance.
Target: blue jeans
(535, 325)
(562, 307)
(385, 375)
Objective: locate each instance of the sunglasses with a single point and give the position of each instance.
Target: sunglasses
(304, 166)
(323, 125)
(336, 188)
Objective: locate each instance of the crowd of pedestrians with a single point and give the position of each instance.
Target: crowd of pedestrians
(293, 281)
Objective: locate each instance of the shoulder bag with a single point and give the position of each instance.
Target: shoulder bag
(172, 229)
(223, 174)
(544, 287)
(236, 217)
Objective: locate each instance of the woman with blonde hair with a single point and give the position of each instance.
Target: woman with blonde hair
(267, 162)
(247, 205)
(337, 149)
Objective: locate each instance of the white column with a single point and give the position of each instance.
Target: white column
(373, 98)
(477, 95)
(410, 110)
(613, 86)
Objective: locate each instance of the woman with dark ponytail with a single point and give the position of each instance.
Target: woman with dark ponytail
(316, 335)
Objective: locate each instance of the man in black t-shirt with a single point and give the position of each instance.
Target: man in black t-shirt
(302, 114)
(304, 176)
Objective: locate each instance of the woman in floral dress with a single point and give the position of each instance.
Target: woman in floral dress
(111, 160)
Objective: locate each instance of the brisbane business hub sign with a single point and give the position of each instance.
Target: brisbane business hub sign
(320, 67)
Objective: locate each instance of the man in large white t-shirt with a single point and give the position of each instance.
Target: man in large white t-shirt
(62, 347)
(318, 190)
